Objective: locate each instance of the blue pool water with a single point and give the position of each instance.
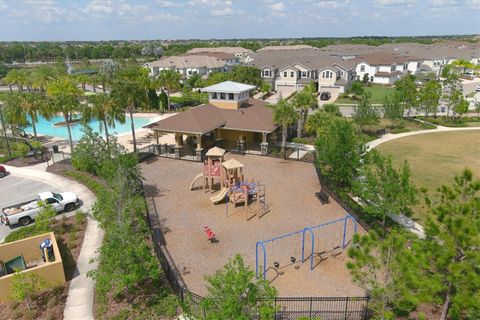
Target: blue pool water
(46, 127)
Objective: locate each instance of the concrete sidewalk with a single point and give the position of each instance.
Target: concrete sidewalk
(390, 136)
(79, 303)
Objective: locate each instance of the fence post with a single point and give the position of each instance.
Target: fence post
(346, 308)
(311, 305)
(275, 308)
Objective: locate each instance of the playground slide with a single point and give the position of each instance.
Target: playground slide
(219, 196)
(198, 176)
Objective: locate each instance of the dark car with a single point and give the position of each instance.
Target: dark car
(325, 95)
(3, 172)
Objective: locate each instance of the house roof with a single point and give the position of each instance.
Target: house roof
(215, 152)
(231, 50)
(188, 61)
(232, 164)
(229, 86)
(197, 120)
(253, 116)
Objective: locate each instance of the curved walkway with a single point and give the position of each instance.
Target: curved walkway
(403, 220)
(79, 303)
(391, 136)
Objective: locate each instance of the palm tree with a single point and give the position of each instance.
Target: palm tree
(93, 81)
(105, 109)
(83, 79)
(129, 91)
(302, 101)
(284, 114)
(169, 80)
(464, 64)
(64, 95)
(14, 77)
(42, 76)
(32, 104)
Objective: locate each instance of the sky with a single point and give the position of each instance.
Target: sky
(51, 20)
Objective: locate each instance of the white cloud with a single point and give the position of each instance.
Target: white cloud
(223, 12)
(100, 6)
(328, 4)
(395, 2)
(167, 3)
(277, 6)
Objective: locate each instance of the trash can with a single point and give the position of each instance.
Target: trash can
(47, 246)
(55, 148)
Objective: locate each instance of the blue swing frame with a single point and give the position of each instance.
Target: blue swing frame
(260, 245)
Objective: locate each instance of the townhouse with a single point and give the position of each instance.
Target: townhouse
(291, 70)
(190, 64)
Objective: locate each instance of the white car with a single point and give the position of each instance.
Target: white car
(24, 213)
(477, 88)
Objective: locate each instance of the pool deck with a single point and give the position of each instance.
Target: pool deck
(144, 136)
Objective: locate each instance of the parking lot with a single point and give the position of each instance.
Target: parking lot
(15, 190)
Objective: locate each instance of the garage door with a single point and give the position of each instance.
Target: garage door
(285, 91)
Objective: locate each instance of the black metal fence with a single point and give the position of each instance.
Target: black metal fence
(286, 308)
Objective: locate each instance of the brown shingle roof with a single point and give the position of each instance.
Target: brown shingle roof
(254, 116)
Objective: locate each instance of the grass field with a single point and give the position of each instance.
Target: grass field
(436, 158)
(377, 95)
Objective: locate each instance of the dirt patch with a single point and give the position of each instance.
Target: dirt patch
(50, 304)
(60, 166)
(24, 162)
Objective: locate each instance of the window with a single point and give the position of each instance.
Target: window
(304, 74)
(230, 96)
(214, 95)
(285, 74)
(292, 74)
(362, 68)
(266, 73)
(51, 201)
(392, 68)
(341, 73)
(222, 95)
(371, 79)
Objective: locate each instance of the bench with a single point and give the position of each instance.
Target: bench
(323, 196)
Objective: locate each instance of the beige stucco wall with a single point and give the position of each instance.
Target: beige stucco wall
(231, 105)
(52, 272)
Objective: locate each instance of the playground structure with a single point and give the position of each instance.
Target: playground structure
(212, 169)
(324, 238)
(231, 184)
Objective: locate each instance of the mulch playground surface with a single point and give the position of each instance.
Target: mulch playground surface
(290, 197)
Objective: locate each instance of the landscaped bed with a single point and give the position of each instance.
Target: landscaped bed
(50, 304)
(436, 158)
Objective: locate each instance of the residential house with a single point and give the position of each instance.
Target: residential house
(239, 52)
(187, 65)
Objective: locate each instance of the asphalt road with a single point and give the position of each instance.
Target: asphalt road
(14, 190)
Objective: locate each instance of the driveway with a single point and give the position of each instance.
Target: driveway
(17, 189)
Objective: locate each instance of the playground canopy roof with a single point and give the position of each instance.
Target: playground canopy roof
(232, 164)
(254, 116)
(215, 152)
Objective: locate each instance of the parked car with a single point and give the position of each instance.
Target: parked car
(325, 95)
(24, 213)
(477, 88)
(3, 171)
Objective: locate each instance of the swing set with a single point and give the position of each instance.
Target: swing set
(315, 233)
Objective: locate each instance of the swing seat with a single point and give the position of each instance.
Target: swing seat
(276, 264)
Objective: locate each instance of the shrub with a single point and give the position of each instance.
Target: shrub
(300, 140)
(43, 224)
(80, 217)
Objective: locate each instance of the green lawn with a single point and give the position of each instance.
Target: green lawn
(378, 94)
(436, 158)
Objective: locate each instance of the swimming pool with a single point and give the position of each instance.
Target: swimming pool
(46, 127)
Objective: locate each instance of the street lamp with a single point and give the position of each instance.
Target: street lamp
(5, 131)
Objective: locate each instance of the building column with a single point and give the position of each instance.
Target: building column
(199, 149)
(177, 145)
(157, 137)
(241, 142)
(264, 144)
